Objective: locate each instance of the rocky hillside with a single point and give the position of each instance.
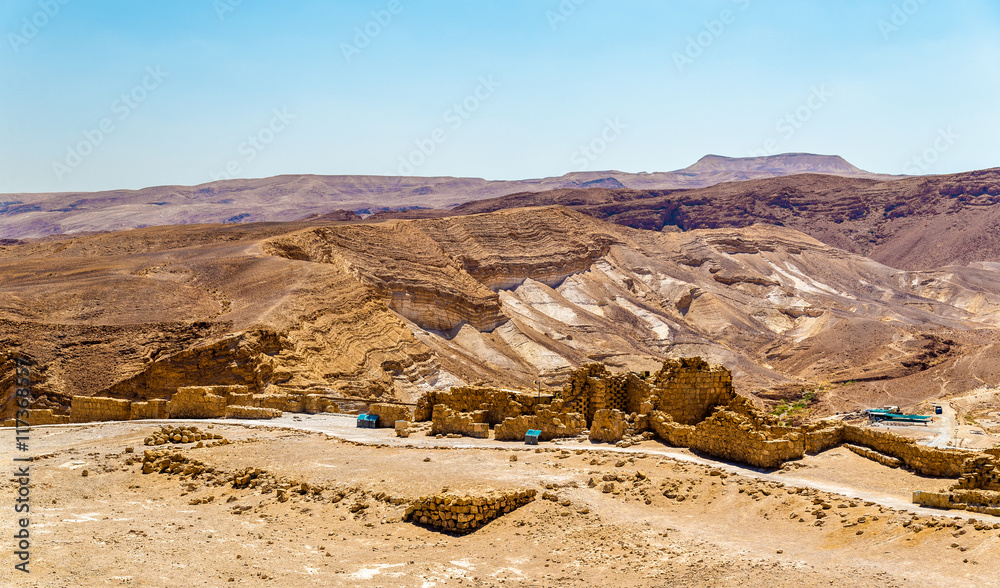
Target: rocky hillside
(913, 223)
(396, 308)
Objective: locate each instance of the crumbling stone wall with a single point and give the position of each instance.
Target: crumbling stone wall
(40, 416)
(552, 422)
(198, 402)
(730, 435)
(673, 433)
(608, 426)
(977, 490)
(980, 473)
(465, 513)
(593, 388)
(498, 404)
(85, 409)
(688, 389)
(151, 409)
(388, 414)
(446, 421)
(943, 463)
(886, 460)
(251, 412)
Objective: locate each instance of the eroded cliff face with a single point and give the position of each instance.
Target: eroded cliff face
(398, 308)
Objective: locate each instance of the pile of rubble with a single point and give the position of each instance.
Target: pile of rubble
(188, 434)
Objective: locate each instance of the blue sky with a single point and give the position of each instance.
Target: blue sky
(104, 94)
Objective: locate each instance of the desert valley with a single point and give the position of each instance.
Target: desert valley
(603, 378)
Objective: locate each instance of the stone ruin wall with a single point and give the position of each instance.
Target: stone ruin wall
(198, 402)
(465, 513)
(388, 414)
(977, 490)
(552, 422)
(85, 409)
(251, 412)
(447, 421)
(499, 404)
(687, 389)
(593, 388)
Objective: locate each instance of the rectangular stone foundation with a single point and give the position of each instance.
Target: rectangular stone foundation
(464, 514)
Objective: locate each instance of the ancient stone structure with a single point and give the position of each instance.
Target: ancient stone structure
(151, 409)
(251, 412)
(608, 426)
(40, 416)
(498, 404)
(553, 422)
(388, 414)
(977, 490)
(688, 389)
(85, 409)
(892, 462)
(446, 421)
(465, 513)
(199, 402)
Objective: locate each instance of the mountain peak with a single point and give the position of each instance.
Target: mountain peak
(780, 164)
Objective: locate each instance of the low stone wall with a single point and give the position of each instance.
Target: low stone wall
(892, 462)
(151, 409)
(251, 412)
(553, 424)
(943, 463)
(388, 414)
(465, 513)
(978, 490)
(85, 409)
(730, 435)
(40, 416)
(979, 501)
(608, 426)
(446, 421)
(198, 402)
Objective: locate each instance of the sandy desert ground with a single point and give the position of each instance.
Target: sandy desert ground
(647, 515)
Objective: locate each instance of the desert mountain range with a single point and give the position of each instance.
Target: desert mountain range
(285, 198)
